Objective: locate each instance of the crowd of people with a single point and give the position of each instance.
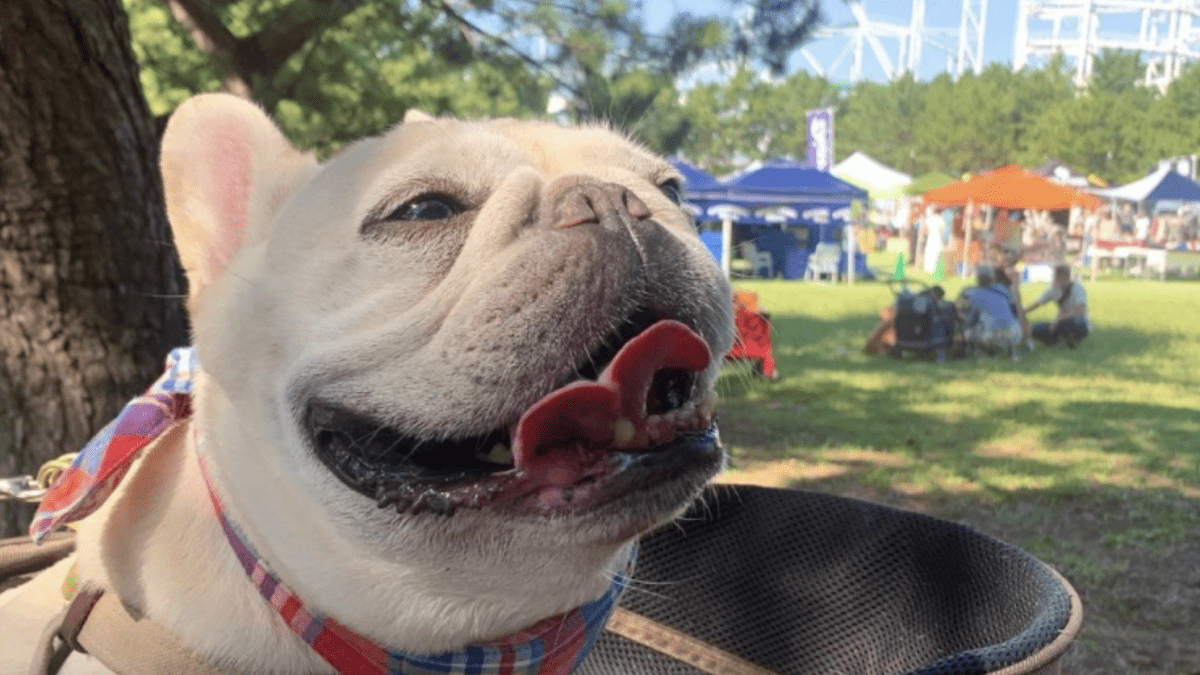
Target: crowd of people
(994, 320)
(991, 317)
(939, 233)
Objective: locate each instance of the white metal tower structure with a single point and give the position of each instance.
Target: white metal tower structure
(898, 48)
(1167, 32)
(971, 28)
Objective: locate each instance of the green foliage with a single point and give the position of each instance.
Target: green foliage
(1115, 128)
(353, 67)
(746, 117)
(354, 76)
(172, 67)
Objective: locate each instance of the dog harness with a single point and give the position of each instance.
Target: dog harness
(555, 646)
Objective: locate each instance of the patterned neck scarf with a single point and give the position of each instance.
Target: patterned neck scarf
(555, 646)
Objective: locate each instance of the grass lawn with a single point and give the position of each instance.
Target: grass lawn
(1088, 458)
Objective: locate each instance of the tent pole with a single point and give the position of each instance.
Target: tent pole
(727, 247)
(968, 225)
(985, 243)
(851, 245)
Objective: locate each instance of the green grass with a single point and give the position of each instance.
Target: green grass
(1089, 458)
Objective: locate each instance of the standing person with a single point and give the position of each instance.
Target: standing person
(933, 240)
(1008, 276)
(1071, 324)
(1141, 227)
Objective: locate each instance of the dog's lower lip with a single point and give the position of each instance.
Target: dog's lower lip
(613, 474)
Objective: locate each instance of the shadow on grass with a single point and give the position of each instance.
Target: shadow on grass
(1136, 440)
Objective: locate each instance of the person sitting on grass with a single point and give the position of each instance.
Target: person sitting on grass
(986, 310)
(1071, 325)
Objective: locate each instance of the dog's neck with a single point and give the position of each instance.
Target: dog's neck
(222, 618)
(198, 577)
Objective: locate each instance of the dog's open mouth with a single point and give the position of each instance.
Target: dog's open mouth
(632, 421)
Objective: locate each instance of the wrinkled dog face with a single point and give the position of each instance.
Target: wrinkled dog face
(477, 357)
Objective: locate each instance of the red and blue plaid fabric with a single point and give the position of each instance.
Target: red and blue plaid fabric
(100, 466)
(555, 646)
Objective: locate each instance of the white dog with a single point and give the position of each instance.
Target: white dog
(445, 380)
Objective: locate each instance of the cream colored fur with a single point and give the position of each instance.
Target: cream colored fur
(435, 330)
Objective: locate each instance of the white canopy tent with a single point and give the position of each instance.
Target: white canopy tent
(880, 180)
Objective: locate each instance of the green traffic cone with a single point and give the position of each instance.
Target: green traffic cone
(939, 272)
(898, 271)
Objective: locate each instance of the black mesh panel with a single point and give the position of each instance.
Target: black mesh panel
(804, 583)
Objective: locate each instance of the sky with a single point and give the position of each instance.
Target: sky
(939, 14)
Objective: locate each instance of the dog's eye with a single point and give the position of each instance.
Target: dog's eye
(672, 190)
(427, 207)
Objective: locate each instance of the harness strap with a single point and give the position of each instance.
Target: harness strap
(96, 623)
(679, 645)
(19, 556)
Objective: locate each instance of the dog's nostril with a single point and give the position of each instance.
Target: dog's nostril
(576, 209)
(633, 205)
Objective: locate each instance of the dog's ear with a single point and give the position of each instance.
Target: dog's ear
(226, 171)
(415, 115)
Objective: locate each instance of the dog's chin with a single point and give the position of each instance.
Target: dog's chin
(623, 444)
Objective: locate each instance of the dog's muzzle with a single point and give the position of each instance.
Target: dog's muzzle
(632, 421)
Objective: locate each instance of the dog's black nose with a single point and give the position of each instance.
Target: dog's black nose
(576, 200)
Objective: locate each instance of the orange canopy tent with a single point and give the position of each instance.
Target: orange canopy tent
(1011, 187)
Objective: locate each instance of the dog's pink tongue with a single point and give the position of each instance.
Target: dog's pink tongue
(556, 439)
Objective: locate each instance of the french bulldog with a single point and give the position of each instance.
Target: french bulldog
(445, 380)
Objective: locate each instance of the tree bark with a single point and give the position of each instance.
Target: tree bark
(89, 283)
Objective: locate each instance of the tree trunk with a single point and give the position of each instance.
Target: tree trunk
(89, 283)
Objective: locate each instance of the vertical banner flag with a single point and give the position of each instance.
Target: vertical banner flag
(820, 138)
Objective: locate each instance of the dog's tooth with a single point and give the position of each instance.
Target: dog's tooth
(655, 428)
(499, 454)
(623, 432)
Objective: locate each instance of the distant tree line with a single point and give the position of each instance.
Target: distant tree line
(1114, 128)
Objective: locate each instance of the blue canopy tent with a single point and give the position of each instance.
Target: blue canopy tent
(794, 181)
(786, 207)
(698, 185)
(1162, 185)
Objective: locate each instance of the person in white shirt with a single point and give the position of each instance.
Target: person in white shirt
(1072, 324)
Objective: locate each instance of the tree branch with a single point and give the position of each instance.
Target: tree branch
(294, 24)
(213, 38)
(508, 46)
(205, 25)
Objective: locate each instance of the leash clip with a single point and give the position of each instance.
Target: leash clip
(21, 488)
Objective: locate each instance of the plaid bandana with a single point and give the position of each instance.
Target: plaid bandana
(555, 646)
(82, 487)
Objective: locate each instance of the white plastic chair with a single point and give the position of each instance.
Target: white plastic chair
(758, 259)
(823, 261)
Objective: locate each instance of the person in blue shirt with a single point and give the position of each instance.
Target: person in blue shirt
(989, 318)
(1072, 324)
